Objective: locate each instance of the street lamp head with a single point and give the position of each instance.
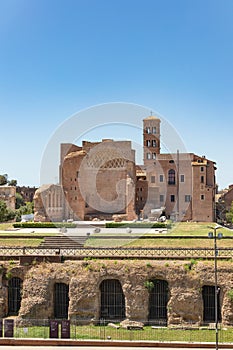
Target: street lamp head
(210, 234)
(215, 227)
(220, 235)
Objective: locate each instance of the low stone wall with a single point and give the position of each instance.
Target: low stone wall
(185, 281)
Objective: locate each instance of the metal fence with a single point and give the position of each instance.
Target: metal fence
(80, 253)
(103, 331)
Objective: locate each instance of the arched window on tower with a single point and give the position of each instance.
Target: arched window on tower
(171, 177)
(154, 143)
(112, 300)
(14, 296)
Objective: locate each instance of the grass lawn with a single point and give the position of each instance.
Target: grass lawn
(20, 242)
(6, 226)
(196, 229)
(181, 229)
(158, 243)
(24, 234)
(180, 243)
(157, 334)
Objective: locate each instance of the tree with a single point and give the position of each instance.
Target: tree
(23, 210)
(3, 211)
(12, 182)
(229, 215)
(10, 215)
(6, 214)
(19, 200)
(3, 179)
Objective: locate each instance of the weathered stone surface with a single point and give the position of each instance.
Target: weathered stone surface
(8, 195)
(131, 324)
(185, 302)
(49, 203)
(113, 325)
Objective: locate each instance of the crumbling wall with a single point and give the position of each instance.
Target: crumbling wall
(185, 281)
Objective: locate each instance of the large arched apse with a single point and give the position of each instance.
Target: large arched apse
(158, 299)
(112, 300)
(61, 300)
(14, 296)
(208, 296)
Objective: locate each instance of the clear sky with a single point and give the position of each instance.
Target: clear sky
(62, 56)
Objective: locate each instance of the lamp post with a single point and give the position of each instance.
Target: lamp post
(215, 236)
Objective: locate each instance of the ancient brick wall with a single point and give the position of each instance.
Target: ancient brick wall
(96, 181)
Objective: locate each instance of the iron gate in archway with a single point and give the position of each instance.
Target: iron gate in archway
(61, 300)
(158, 299)
(208, 295)
(14, 295)
(112, 300)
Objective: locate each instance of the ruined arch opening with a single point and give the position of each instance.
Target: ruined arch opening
(14, 296)
(61, 300)
(158, 299)
(208, 297)
(112, 302)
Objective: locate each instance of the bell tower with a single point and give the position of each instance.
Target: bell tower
(151, 139)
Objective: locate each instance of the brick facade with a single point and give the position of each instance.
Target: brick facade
(183, 183)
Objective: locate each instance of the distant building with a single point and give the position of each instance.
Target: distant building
(224, 202)
(26, 192)
(183, 183)
(227, 197)
(7, 194)
(101, 179)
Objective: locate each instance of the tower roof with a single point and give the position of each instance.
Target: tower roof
(152, 117)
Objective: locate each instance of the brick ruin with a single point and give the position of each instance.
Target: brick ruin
(97, 180)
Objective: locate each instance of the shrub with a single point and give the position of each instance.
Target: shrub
(137, 225)
(44, 225)
(188, 266)
(230, 294)
(149, 285)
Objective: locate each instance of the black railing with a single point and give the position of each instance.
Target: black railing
(157, 253)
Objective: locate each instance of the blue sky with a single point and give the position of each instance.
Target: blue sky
(59, 57)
